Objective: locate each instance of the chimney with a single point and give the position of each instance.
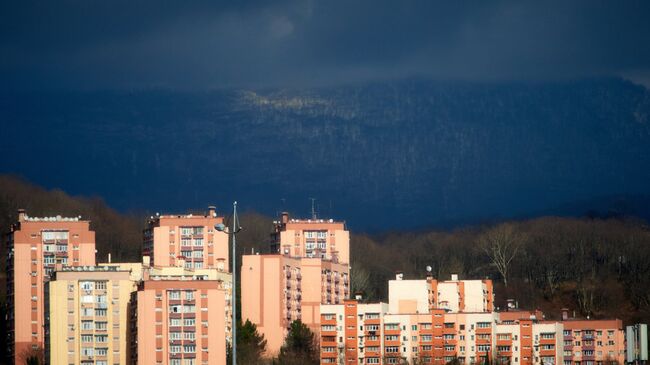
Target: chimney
(146, 261)
(285, 217)
(109, 257)
(21, 215)
(454, 277)
(358, 297)
(565, 314)
(399, 275)
(212, 211)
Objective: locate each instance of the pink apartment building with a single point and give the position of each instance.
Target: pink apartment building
(310, 268)
(178, 320)
(35, 246)
(190, 238)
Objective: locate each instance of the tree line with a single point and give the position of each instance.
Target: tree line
(595, 266)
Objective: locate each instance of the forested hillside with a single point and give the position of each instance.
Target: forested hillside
(403, 154)
(596, 266)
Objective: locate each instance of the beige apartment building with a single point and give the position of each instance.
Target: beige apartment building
(309, 266)
(168, 239)
(87, 315)
(36, 245)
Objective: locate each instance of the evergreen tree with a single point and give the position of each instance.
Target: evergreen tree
(250, 344)
(300, 346)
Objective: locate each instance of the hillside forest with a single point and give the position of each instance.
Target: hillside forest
(596, 266)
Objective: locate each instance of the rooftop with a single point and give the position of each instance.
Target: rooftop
(58, 218)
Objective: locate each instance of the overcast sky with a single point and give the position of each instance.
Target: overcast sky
(92, 44)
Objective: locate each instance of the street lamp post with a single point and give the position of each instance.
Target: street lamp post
(233, 232)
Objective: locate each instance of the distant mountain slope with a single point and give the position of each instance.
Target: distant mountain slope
(115, 233)
(384, 155)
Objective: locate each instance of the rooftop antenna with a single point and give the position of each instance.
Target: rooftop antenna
(313, 210)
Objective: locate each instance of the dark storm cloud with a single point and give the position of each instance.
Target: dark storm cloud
(203, 44)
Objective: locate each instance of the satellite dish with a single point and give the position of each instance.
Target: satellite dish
(428, 268)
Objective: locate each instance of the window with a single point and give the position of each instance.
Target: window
(189, 295)
(392, 349)
(100, 285)
(392, 338)
(391, 326)
(425, 338)
(101, 338)
(414, 327)
(86, 338)
(189, 322)
(87, 351)
(174, 294)
(102, 326)
(189, 348)
(87, 325)
(103, 351)
(174, 349)
(483, 325)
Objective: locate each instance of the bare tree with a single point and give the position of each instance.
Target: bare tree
(501, 244)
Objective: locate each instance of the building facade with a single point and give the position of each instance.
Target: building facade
(277, 290)
(178, 321)
(190, 238)
(305, 270)
(324, 238)
(35, 246)
(87, 315)
(414, 329)
(418, 296)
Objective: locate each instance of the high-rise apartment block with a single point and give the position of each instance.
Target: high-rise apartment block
(309, 266)
(326, 239)
(87, 316)
(178, 319)
(410, 330)
(190, 238)
(35, 246)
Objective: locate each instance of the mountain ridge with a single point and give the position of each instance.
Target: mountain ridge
(401, 154)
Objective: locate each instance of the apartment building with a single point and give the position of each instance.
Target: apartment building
(324, 238)
(35, 245)
(414, 329)
(418, 296)
(168, 239)
(277, 290)
(593, 342)
(87, 315)
(178, 318)
(144, 271)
